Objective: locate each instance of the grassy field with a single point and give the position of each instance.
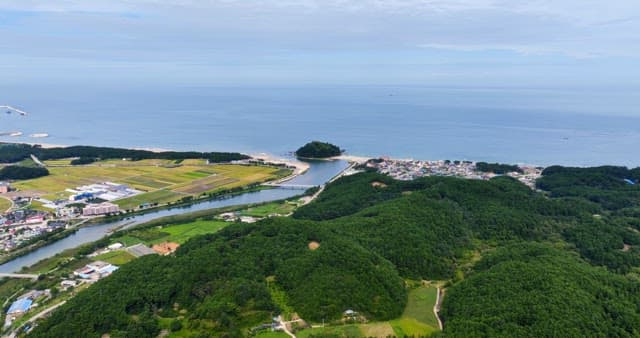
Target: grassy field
(64, 161)
(417, 320)
(182, 232)
(161, 181)
(269, 209)
(418, 317)
(421, 300)
(342, 331)
(159, 196)
(179, 233)
(117, 257)
(5, 204)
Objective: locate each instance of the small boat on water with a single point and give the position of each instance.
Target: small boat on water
(15, 133)
(39, 135)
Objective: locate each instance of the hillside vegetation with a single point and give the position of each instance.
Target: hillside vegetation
(16, 172)
(560, 266)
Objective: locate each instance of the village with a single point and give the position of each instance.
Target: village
(30, 217)
(72, 274)
(411, 169)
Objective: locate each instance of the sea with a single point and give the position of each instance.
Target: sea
(567, 126)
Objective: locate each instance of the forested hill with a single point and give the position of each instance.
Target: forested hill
(317, 149)
(10, 153)
(559, 266)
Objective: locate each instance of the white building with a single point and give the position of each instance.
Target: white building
(100, 209)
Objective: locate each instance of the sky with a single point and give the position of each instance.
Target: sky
(494, 43)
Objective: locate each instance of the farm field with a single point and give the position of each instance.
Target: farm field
(64, 161)
(159, 183)
(182, 232)
(5, 204)
(417, 320)
(117, 257)
(179, 233)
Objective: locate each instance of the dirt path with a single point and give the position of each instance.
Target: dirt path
(283, 325)
(436, 307)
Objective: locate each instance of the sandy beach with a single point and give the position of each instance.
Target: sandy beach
(300, 166)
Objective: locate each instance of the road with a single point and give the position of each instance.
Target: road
(35, 159)
(436, 307)
(283, 325)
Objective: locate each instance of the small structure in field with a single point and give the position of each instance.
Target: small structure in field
(165, 248)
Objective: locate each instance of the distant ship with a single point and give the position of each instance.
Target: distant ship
(15, 133)
(39, 135)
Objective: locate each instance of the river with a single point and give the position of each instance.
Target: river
(319, 172)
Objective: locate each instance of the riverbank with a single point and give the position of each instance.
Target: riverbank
(317, 174)
(101, 219)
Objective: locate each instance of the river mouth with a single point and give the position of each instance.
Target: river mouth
(318, 173)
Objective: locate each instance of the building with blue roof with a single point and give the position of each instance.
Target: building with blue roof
(20, 306)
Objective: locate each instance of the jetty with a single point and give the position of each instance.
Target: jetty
(19, 111)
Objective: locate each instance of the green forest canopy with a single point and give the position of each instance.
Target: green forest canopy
(565, 265)
(10, 153)
(15, 172)
(317, 149)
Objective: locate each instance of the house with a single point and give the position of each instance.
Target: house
(19, 307)
(165, 248)
(84, 272)
(95, 270)
(35, 219)
(115, 246)
(65, 284)
(4, 187)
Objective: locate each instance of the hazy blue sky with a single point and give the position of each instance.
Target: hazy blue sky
(425, 42)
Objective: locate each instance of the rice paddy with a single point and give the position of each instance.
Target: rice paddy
(160, 181)
(5, 204)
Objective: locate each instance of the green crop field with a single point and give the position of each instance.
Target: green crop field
(161, 181)
(420, 305)
(5, 204)
(117, 257)
(182, 232)
(158, 196)
(178, 233)
(418, 317)
(66, 161)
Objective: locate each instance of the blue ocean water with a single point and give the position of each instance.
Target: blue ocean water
(534, 126)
